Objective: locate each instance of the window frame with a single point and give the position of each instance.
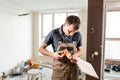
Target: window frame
(111, 38)
(53, 15)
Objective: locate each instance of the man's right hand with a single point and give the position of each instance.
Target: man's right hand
(56, 55)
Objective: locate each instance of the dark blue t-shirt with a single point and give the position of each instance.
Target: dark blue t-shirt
(58, 35)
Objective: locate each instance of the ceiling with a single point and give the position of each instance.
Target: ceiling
(21, 6)
(25, 6)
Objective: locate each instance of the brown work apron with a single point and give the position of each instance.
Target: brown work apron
(63, 69)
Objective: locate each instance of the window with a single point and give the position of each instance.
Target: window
(112, 42)
(47, 24)
(59, 19)
(51, 21)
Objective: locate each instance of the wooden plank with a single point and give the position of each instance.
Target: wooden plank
(86, 68)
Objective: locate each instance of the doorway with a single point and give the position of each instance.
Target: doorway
(112, 41)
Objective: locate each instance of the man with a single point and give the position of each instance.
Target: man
(66, 37)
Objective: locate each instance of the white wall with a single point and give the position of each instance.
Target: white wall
(15, 40)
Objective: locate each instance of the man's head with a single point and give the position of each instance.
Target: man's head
(72, 24)
(73, 20)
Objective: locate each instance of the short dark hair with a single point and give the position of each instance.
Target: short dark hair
(72, 19)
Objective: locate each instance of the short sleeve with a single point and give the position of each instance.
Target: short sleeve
(79, 42)
(78, 38)
(49, 38)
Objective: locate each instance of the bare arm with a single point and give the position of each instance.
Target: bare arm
(44, 51)
(76, 55)
(79, 52)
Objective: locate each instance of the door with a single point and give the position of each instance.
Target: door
(94, 35)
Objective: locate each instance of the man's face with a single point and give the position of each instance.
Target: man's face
(71, 30)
